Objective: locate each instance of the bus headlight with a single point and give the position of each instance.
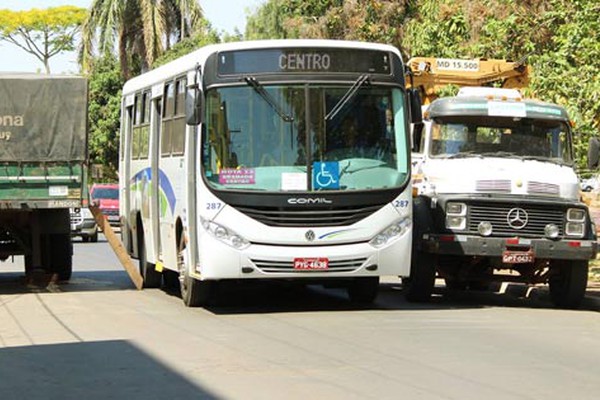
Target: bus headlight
(393, 231)
(225, 235)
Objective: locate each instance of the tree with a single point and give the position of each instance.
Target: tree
(42, 33)
(204, 36)
(140, 29)
(105, 83)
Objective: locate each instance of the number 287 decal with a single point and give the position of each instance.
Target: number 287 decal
(213, 206)
(401, 203)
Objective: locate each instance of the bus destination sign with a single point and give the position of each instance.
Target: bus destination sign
(303, 60)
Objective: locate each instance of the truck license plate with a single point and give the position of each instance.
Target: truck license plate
(318, 263)
(518, 257)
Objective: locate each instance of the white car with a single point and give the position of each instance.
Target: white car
(589, 184)
(83, 224)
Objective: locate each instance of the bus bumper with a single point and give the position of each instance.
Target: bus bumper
(220, 261)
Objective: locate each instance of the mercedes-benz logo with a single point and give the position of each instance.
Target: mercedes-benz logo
(517, 218)
(309, 235)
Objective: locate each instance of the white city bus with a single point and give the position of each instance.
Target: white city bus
(269, 160)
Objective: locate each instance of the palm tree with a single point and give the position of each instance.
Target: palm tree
(139, 29)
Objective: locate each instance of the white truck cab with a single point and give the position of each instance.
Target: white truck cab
(498, 197)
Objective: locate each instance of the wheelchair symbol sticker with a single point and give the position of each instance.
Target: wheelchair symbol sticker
(326, 175)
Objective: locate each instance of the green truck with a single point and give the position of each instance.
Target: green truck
(43, 167)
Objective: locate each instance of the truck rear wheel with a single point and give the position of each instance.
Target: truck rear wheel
(568, 282)
(61, 258)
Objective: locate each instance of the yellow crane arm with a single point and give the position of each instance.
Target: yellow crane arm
(431, 74)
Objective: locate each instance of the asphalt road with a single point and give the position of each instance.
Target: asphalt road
(99, 338)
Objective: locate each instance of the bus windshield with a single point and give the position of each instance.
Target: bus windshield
(305, 137)
(526, 138)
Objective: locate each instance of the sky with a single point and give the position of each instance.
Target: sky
(224, 15)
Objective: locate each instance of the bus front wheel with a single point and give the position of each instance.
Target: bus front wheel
(194, 293)
(363, 290)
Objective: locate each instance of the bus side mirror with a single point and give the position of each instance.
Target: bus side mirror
(417, 135)
(193, 106)
(414, 98)
(593, 153)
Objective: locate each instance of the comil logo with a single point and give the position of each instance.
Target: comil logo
(309, 200)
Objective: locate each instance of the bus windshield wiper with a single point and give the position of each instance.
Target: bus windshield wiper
(347, 97)
(258, 88)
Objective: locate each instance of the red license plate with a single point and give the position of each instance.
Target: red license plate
(311, 263)
(518, 257)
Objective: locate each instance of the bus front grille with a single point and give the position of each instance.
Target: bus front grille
(294, 217)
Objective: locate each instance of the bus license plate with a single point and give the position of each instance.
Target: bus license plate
(311, 263)
(517, 257)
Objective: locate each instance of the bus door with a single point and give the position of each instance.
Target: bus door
(156, 132)
(171, 171)
(124, 173)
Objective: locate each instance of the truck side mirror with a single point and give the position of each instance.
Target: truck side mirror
(414, 98)
(593, 153)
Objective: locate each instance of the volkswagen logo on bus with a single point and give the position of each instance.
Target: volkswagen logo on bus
(517, 218)
(309, 235)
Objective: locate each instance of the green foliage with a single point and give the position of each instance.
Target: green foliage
(560, 39)
(206, 35)
(105, 83)
(42, 33)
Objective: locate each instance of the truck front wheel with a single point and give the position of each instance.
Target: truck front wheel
(568, 282)
(419, 285)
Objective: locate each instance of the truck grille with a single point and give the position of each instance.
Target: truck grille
(496, 214)
(288, 266)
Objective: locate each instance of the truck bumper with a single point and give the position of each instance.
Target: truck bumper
(467, 245)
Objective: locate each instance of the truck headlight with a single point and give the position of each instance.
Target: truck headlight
(456, 216)
(576, 229)
(575, 215)
(393, 231)
(225, 235)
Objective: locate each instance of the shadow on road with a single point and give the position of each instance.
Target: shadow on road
(90, 370)
(40, 282)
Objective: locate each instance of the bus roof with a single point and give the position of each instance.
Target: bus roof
(187, 62)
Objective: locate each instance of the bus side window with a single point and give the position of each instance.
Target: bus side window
(137, 115)
(168, 110)
(144, 129)
(178, 122)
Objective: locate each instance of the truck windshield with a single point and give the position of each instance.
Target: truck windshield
(249, 145)
(545, 140)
